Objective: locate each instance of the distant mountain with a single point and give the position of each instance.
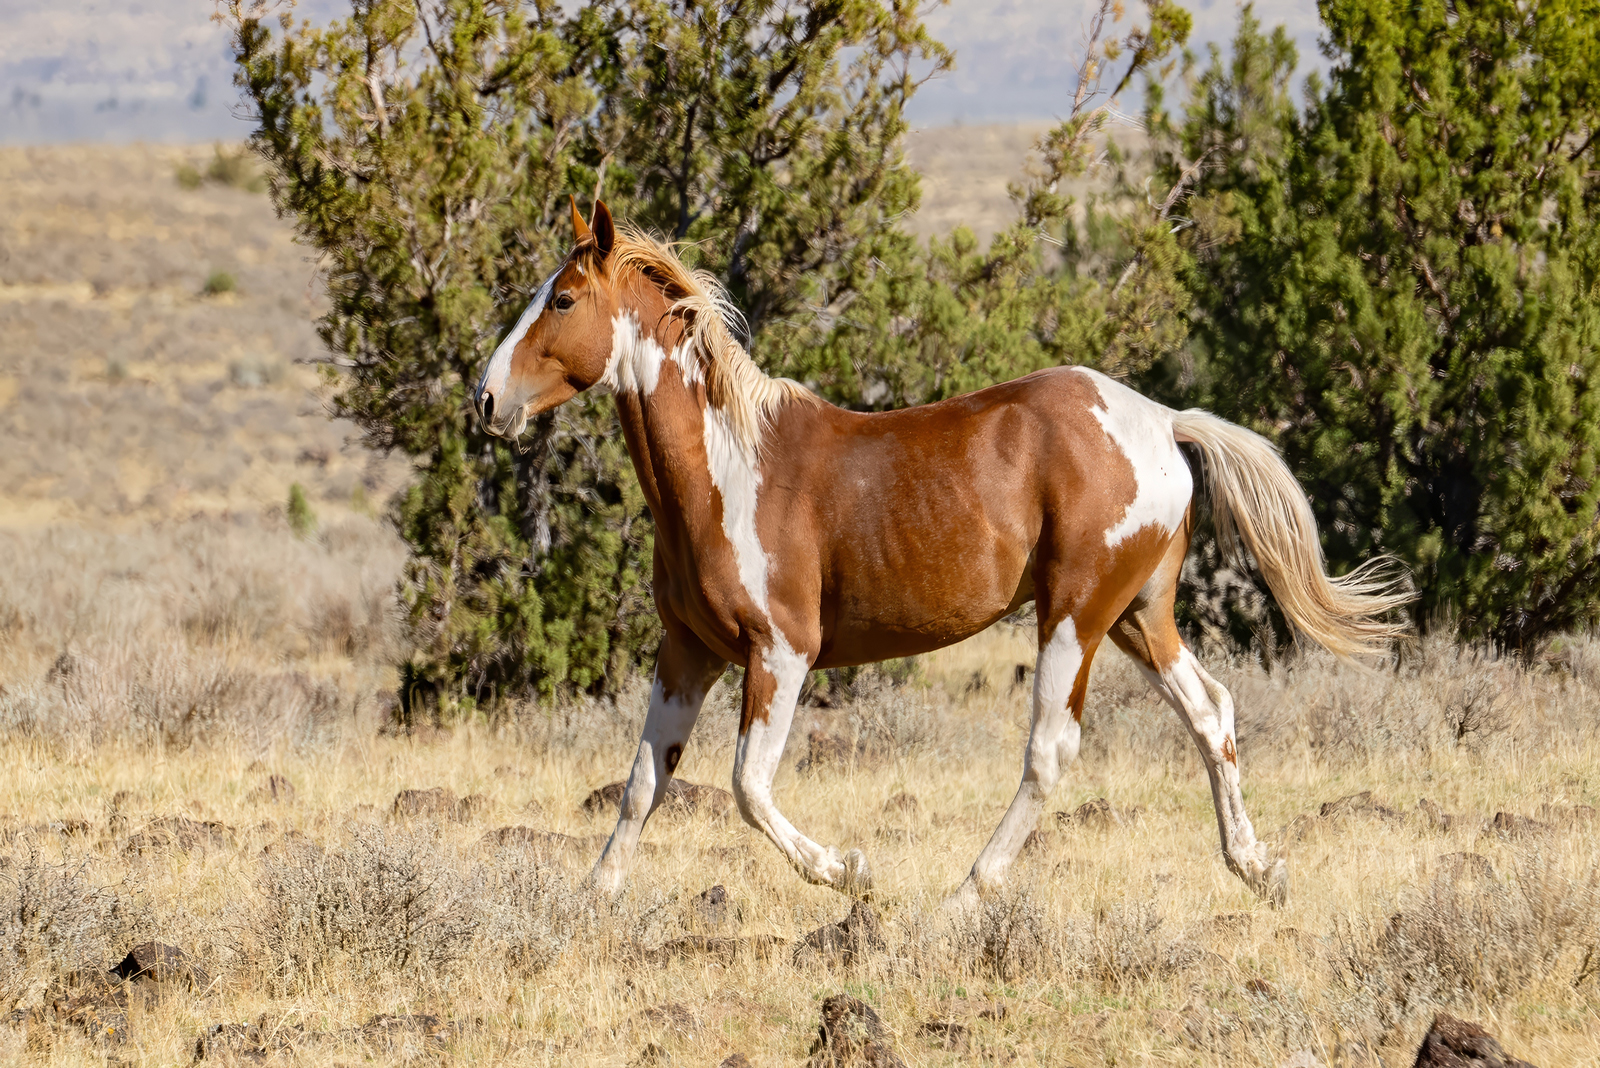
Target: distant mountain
(159, 70)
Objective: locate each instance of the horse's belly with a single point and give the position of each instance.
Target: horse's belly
(877, 616)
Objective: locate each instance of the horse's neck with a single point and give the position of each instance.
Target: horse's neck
(661, 402)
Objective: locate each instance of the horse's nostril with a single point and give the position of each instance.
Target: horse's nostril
(488, 408)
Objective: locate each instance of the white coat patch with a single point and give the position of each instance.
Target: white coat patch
(1142, 429)
(636, 358)
(498, 371)
(735, 473)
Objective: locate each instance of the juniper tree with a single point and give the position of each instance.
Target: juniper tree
(1399, 286)
(427, 150)
(920, 324)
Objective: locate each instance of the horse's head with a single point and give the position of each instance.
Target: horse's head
(562, 344)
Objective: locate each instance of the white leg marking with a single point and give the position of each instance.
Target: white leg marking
(666, 728)
(1052, 743)
(755, 764)
(499, 366)
(1206, 708)
(1142, 429)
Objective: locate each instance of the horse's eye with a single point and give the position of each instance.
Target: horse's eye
(565, 301)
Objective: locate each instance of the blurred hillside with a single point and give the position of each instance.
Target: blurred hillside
(131, 393)
(149, 344)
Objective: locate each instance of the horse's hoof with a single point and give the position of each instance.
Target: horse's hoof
(857, 878)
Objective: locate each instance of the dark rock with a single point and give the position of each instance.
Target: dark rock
(683, 798)
(178, 832)
(850, 1033)
(437, 803)
(1360, 804)
(407, 1033)
(947, 1034)
(721, 950)
(903, 804)
(711, 906)
(1097, 814)
(153, 963)
(1465, 866)
(844, 943)
(1453, 1043)
(1435, 818)
(1510, 825)
(276, 790)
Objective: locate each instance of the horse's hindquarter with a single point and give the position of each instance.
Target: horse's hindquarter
(920, 523)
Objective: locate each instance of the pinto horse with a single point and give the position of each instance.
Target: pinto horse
(793, 535)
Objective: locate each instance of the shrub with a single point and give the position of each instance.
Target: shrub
(54, 922)
(1463, 941)
(218, 282)
(384, 904)
(302, 520)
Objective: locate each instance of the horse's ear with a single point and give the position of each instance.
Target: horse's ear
(605, 231)
(580, 229)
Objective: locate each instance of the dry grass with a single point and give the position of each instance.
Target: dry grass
(1116, 945)
(167, 644)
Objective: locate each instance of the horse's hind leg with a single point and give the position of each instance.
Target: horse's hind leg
(1061, 677)
(771, 687)
(1148, 633)
(685, 672)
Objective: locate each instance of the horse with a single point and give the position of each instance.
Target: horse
(794, 535)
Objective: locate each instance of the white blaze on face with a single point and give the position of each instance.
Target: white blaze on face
(1142, 429)
(496, 374)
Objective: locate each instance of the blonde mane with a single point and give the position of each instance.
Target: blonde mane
(745, 395)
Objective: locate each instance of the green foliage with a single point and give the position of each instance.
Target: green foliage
(218, 282)
(1397, 284)
(188, 176)
(922, 324)
(427, 154)
(302, 520)
(1399, 287)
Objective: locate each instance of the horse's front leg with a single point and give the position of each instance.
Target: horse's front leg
(685, 672)
(771, 687)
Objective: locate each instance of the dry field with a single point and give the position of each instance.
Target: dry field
(192, 704)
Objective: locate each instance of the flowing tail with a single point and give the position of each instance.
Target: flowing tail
(1256, 500)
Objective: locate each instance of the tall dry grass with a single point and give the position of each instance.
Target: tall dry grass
(1116, 944)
